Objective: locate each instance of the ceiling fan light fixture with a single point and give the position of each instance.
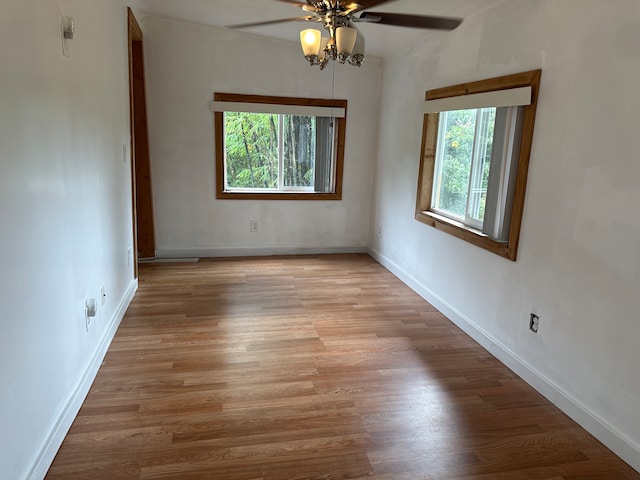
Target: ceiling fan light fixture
(357, 55)
(310, 40)
(346, 39)
(323, 54)
(344, 44)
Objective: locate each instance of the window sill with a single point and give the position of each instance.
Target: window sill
(223, 195)
(463, 232)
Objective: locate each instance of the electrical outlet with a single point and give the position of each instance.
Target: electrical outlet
(129, 257)
(103, 296)
(534, 322)
(254, 226)
(90, 310)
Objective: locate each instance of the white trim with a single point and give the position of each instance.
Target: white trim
(282, 189)
(252, 251)
(617, 442)
(57, 434)
(498, 98)
(170, 260)
(303, 110)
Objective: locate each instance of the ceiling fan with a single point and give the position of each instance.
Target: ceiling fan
(344, 43)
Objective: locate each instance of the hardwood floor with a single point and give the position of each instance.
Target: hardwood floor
(320, 367)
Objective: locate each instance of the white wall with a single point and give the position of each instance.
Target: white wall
(578, 264)
(185, 65)
(65, 216)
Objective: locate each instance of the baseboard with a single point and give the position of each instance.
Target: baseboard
(169, 260)
(253, 251)
(617, 442)
(60, 429)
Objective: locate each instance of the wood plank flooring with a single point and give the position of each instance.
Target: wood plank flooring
(318, 367)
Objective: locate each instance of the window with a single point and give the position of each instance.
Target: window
(463, 158)
(279, 147)
(474, 159)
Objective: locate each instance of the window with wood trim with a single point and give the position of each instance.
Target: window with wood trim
(279, 148)
(476, 143)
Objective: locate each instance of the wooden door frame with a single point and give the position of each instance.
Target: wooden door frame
(144, 242)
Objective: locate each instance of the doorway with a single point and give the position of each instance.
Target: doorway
(143, 227)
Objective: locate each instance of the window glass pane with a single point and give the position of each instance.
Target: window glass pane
(486, 120)
(299, 150)
(453, 162)
(251, 150)
(324, 167)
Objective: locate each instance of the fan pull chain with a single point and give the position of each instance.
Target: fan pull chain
(333, 80)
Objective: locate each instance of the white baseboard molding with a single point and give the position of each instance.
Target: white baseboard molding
(253, 251)
(617, 442)
(170, 260)
(73, 404)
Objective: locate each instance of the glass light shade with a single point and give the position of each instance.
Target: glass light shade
(346, 39)
(310, 41)
(323, 44)
(358, 48)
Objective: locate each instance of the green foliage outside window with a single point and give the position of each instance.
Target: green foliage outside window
(456, 167)
(252, 153)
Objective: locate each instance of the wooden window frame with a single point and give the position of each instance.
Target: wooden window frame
(341, 124)
(423, 211)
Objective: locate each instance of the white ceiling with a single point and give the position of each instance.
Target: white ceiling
(381, 40)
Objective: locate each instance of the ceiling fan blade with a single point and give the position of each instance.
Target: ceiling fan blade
(413, 21)
(366, 4)
(273, 22)
(305, 6)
